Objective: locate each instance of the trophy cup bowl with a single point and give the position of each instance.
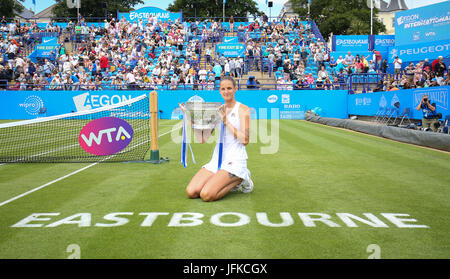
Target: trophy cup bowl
(203, 115)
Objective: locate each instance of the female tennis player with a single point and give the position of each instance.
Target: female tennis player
(211, 183)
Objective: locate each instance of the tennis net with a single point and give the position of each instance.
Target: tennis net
(113, 133)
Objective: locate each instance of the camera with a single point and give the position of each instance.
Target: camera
(425, 100)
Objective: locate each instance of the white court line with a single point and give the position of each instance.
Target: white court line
(63, 177)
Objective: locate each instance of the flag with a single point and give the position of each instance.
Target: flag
(185, 143)
(221, 137)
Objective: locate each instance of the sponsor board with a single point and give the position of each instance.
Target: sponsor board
(370, 103)
(333, 103)
(146, 12)
(231, 49)
(425, 24)
(417, 52)
(350, 43)
(92, 100)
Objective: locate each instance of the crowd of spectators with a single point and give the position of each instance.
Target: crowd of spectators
(163, 54)
(420, 75)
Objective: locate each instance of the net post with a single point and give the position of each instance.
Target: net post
(154, 147)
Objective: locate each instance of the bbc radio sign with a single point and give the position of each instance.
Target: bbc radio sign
(426, 24)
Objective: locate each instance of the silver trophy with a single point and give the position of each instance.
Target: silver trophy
(203, 115)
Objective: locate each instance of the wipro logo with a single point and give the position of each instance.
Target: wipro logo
(32, 104)
(105, 136)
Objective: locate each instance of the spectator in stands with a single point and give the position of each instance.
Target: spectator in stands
(218, 71)
(409, 72)
(318, 58)
(3, 78)
(252, 83)
(3, 21)
(371, 67)
(333, 62)
(104, 62)
(319, 83)
(203, 74)
(365, 63)
(439, 69)
(296, 57)
(239, 66)
(392, 87)
(359, 66)
(328, 84)
(232, 64)
(397, 66)
(322, 73)
(227, 69)
(231, 23)
(310, 79)
(427, 63)
(380, 86)
(426, 74)
(208, 53)
(384, 66)
(304, 56)
(418, 73)
(429, 118)
(377, 58)
(300, 84)
(173, 82)
(349, 59)
(434, 82)
(447, 79)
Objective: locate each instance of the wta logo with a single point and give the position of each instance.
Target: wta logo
(105, 136)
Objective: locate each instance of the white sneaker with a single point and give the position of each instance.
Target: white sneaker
(244, 187)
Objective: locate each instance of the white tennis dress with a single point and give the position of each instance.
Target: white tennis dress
(234, 155)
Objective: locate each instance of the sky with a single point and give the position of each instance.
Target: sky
(163, 4)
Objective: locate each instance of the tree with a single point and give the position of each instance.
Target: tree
(10, 8)
(94, 8)
(341, 17)
(214, 8)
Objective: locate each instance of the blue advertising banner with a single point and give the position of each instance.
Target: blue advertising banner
(370, 103)
(47, 49)
(350, 43)
(263, 103)
(231, 50)
(382, 43)
(146, 12)
(417, 52)
(426, 24)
